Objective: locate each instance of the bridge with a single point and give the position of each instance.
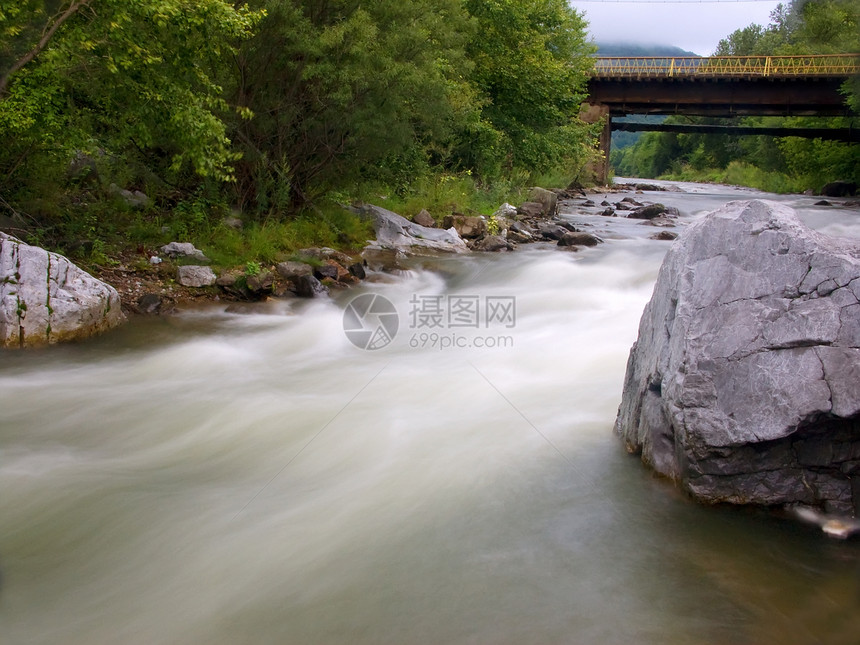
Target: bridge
(719, 86)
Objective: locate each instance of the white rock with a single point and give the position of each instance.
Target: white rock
(45, 298)
(196, 276)
(397, 233)
(183, 250)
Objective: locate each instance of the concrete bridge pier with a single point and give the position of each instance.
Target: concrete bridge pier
(599, 168)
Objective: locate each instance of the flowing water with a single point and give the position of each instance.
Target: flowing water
(220, 478)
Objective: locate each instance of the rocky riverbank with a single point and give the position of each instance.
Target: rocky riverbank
(160, 281)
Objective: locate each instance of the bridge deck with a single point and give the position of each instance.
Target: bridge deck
(726, 67)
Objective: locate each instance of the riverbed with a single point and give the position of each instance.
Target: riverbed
(263, 477)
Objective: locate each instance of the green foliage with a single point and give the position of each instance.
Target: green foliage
(382, 92)
(342, 91)
(446, 193)
(267, 106)
(276, 240)
(531, 60)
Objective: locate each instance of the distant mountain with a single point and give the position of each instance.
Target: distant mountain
(638, 49)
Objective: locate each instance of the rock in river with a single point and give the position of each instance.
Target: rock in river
(398, 234)
(744, 383)
(45, 298)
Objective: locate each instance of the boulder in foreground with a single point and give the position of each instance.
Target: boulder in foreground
(744, 383)
(45, 298)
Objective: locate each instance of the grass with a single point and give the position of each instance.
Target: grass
(95, 229)
(742, 174)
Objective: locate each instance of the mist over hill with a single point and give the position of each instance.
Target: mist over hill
(620, 139)
(639, 49)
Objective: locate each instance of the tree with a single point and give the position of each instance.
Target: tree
(343, 90)
(117, 76)
(741, 42)
(31, 13)
(531, 62)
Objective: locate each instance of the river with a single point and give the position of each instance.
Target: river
(220, 478)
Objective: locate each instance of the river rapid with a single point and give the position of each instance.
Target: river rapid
(219, 478)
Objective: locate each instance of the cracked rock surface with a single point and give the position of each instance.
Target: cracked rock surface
(45, 298)
(744, 382)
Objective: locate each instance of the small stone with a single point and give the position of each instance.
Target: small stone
(522, 238)
(659, 221)
(308, 286)
(492, 243)
(136, 199)
(506, 211)
(155, 260)
(579, 239)
(664, 235)
(292, 270)
(547, 199)
(228, 279)
(467, 226)
(149, 303)
(552, 231)
(260, 283)
(357, 269)
(531, 209)
(196, 276)
(423, 218)
(648, 212)
(326, 271)
(839, 189)
(519, 227)
(183, 250)
(323, 254)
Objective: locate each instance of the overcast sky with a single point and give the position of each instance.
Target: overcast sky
(690, 24)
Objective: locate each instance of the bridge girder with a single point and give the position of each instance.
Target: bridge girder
(720, 97)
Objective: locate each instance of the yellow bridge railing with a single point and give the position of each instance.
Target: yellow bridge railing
(727, 66)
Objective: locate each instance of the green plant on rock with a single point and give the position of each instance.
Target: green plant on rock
(253, 268)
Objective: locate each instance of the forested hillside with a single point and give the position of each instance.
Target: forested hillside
(789, 164)
(272, 110)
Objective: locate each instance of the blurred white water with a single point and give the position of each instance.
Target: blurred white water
(223, 478)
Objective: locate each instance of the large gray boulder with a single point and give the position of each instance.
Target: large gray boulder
(744, 383)
(45, 298)
(396, 233)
